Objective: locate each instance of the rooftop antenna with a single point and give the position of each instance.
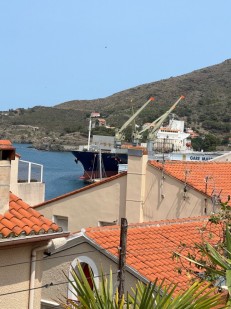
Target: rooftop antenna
(207, 178)
(216, 199)
(186, 173)
(162, 180)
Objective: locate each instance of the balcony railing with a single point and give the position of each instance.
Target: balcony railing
(30, 172)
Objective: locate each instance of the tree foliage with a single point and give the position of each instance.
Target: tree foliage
(207, 143)
(211, 257)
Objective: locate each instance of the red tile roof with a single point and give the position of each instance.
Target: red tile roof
(21, 219)
(150, 246)
(207, 177)
(6, 145)
(5, 142)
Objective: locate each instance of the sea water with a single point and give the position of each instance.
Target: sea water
(61, 173)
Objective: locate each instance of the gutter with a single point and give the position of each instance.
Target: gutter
(12, 241)
(55, 243)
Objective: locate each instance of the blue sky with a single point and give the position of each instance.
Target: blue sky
(53, 51)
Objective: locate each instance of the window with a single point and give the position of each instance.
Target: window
(106, 223)
(87, 272)
(87, 265)
(62, 222)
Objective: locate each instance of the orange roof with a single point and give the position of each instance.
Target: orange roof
(150, 246)
(6, 145)
(5, 142)
(21, 219)
(207, 177)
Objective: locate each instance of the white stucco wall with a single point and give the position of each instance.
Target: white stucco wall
(32, 193)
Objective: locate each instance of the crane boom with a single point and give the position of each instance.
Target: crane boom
(152, 132)
(155, 125)
(124, 126)
(119, 136)
(150, 125)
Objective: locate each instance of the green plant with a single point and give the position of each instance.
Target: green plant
(159, 296)
(153, 295)
(212, 260)
(96, 298)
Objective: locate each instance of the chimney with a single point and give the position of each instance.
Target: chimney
(7, 153)
(136, 175)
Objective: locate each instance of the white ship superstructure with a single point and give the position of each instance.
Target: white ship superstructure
(172, 138)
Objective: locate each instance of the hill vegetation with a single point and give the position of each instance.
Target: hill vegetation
(206, 109)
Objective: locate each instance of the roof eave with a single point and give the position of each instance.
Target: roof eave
(30, 239)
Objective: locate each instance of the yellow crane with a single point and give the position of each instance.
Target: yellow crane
(119, 133)
(154, 126)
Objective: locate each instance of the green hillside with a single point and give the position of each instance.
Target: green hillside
(206, 108)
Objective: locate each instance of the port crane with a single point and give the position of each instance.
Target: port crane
(119, 133)
(154, 126)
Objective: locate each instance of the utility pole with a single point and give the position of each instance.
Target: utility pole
(122, 257)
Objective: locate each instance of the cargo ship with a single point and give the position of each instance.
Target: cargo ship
(93, 169)
(105, 154)
(103, 160)
(102, 157)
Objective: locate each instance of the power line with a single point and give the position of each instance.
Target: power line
(44, 259)
(51, 284)
(57, 257)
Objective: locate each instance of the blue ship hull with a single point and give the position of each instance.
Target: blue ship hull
(91, 163)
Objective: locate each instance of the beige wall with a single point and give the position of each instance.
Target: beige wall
(143, 195)
(16, 277)
(100, 203)
(54, 269)
(14, 173)
(136, 182)
(153, 196)
(4, 185)
(165, 198)
(31, 193)
(224, 158)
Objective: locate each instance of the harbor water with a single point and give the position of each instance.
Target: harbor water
(61, 173)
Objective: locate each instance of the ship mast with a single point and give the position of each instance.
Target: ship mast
(89, 135)
(100, 164)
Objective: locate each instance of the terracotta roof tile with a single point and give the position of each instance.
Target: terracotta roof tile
(150, 251)
(5, 142)
(6, 145)
(22, 219)
(207, 177)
